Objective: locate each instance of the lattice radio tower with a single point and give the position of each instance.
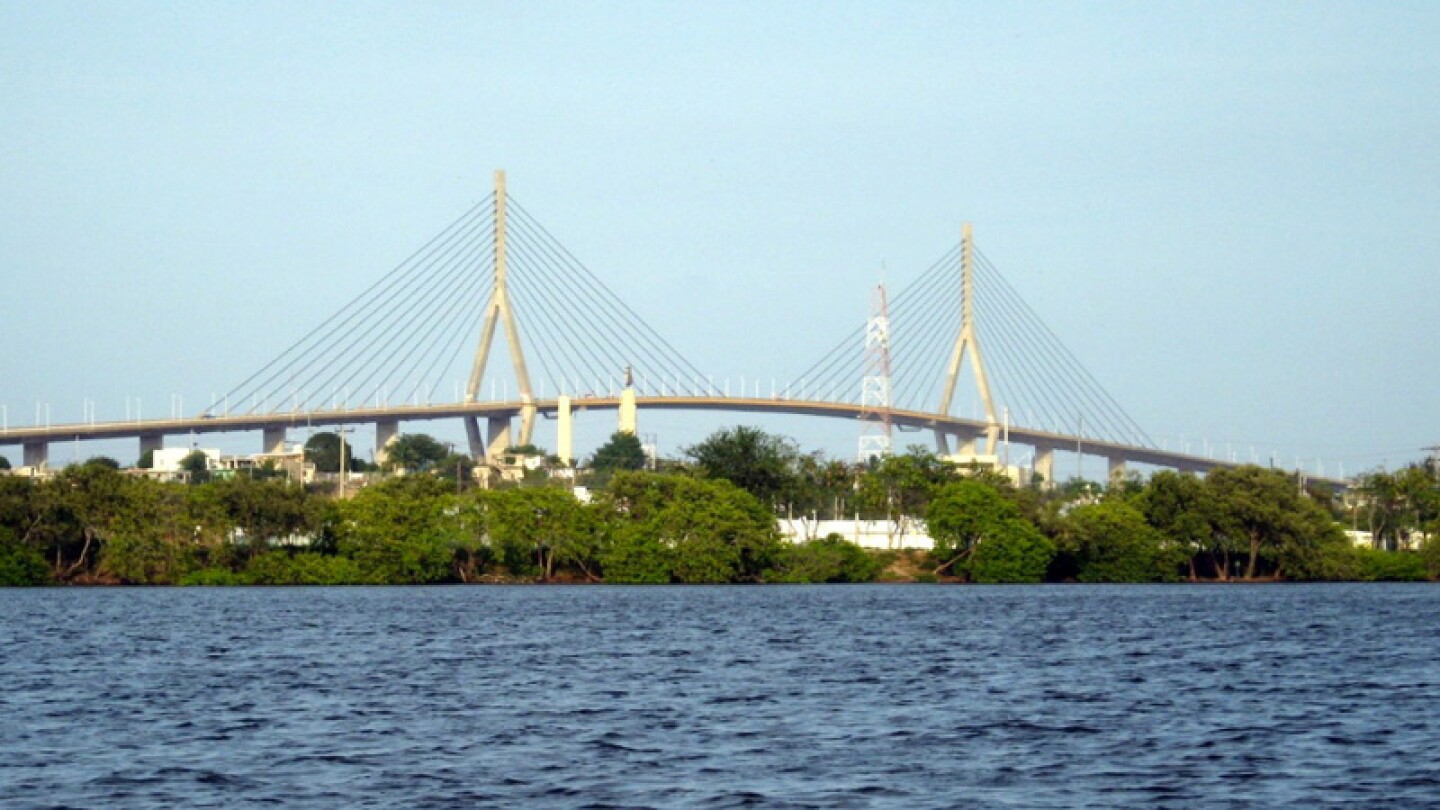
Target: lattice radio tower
(875, 402)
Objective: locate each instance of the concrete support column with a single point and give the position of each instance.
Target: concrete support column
(497, 430)
(564, 430)
(1115, 467)
(965, 444)
(942, 443)
(386, 432)
(627, 411)
(273, 441)
(1045, 466)
(36, 454)
(151, 443)
(472, 436)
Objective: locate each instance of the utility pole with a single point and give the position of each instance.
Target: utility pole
(344, 461)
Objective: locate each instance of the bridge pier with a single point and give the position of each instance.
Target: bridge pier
(472, 438)
(942, 443)
(273, 440)
(36, 454)
(497, 436)
(564, 430)
(1045, 466)
(151, 442)
(1115, 469)
(628, 420)
(386, 432)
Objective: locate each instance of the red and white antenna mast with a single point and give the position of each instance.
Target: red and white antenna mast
(875, 389)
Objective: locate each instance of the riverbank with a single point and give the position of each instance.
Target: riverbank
(94, 525)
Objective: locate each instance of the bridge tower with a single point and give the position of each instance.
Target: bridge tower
(967, 340)
(875, 428)
(499, 312)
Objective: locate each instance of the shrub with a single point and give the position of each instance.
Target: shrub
(831, 558)
(20, 565)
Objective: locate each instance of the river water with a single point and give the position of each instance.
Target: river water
(805, 696)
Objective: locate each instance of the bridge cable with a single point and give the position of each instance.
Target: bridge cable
(604, 321)
(418, 266)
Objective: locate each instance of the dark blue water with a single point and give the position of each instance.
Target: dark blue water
(808, 696)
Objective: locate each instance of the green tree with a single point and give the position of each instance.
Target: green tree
(753, 460)
(323, 450)
(80, 506)
(635, 556)
(819, 486)
(148, 540)
(196, 466)
(707, 530)
(1178, 506)
(546, 524)
(1111, 542)
(1015, 552)
(1430, 553)
(263, 511)
(415, 452)
(1263, 513)
(963, 515)
(898, 486)
(457, 467)
(622, 452)
(146, 460)
(4, 463)
(102, 461)
(402, 531)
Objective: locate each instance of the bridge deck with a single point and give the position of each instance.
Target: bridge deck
(1039, 439)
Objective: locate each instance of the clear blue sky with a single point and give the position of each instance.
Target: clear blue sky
(1228, 211)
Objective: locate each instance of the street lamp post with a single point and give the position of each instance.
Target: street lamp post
(344, 462)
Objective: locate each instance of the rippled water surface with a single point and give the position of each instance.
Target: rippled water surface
(807, 696)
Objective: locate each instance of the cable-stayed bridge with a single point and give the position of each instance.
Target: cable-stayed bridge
(496, 274)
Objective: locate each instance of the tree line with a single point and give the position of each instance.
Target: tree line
(708, 517)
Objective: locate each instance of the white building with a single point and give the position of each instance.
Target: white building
(882, 534)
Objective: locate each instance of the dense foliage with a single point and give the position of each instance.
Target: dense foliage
(710, 521)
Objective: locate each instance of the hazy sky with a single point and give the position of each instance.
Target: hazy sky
(1228, 211)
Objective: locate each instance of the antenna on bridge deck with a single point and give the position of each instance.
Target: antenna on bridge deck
(498, 310)
(966, 339)
(875, 425)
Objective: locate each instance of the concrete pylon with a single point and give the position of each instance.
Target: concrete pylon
(499, 312)
(1115, 469)
(965, 341)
